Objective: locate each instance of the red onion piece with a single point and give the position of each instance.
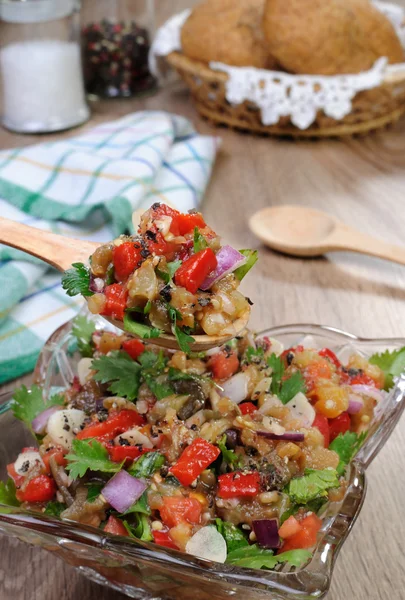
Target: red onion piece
(228, 260)
(97, 284)
(368, 390)
(123, 490)
(355, 404)
(40, 422)
(290, 436)
(266, 531)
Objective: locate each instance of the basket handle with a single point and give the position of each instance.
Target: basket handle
(397, 76)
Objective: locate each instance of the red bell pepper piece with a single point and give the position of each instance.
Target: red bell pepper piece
(224, 364)
(115, 424)
(178, 509)
(194, 459)
(186, 223)
(340, 424)
(322, 423)
(133, 347)
(237, 484)
(116, 301)
(126, 258)
(116, 527)
(326, 353)
(247, 408)
(163, 539)
(195, 270)
(59, 456)
(38, 489)
(306, 536)
(127, 453)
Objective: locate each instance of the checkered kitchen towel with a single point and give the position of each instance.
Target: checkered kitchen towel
(86, 187)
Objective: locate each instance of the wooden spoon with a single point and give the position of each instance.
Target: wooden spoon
(303, 231)
(61, 252)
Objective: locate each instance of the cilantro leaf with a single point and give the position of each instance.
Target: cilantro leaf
(229, 456)
(254, 355)
(7, 493)
(77, 280)
(252, 258)
(312, 485)
(89, 455)
(233, 536)
(391, 363)
(152, 367)
(254, 557)
(291, 387)
(54, 509)
(141, 330)
(82, 330)
(312, 506)
(200, 243)
(140, 528)
(120, 371)
(346, 446)
(140, 506)
(27, 404)
(93, 491)
(173, 266)
(184, 339)
(277, 367)
(146, 465)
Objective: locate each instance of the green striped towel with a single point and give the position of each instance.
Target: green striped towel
(86, 187)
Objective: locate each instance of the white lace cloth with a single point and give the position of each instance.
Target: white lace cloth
(279, 94)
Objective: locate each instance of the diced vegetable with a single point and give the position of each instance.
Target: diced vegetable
(113, 426)
(126, 258)
(302, 410)
(119, 454)
(64, 424)
(247, 408)
(290, 436)
(195, 269)
(339, 425)
(133, 347)
(116, 301)
(194, 460)
(116, 527)
(123, 490)
(322, 423)
(228, 260)
(38, 490)
(289, 528)
(224, 364)
(266, 531)
(162, 538)
(236, 388)
(306, 537)
(40, 422)
(239, 485)
(252, 257)
(177, 509)
(208, 543)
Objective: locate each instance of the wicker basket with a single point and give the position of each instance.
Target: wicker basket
(371, 109)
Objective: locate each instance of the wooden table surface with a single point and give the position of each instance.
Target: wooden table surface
(362, 181)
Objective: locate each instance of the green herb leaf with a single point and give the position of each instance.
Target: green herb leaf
(277, 367)
(229, 456)
(7, 493)
(346, 446)
(252, 258)
(140, 528)
(54, 509)
(89, 455)
(313, 506)
(139, 329)
(146, 465)
(173, 266)
(82, 330)
(254, 355)
(254, 557)
(234, 537)
(27, 404)
(110, 275)
(93, 491)
(120, 371)
(200, 243)
(76, 281)
(141, 506)
(184, 339)
(314, 484)
(391, 363)
(291, 387)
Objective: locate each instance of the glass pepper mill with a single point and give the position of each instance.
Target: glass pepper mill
(116, 37)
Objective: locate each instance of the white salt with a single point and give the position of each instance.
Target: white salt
(42, 86)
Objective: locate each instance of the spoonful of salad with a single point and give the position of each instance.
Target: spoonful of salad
(172, 283)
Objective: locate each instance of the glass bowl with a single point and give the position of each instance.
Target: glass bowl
(145, 571)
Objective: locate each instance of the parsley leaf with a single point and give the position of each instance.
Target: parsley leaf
(254, 557)
(312, 485)
(54, 509)
(89, 455)
(391, 363)
(93, 491)
(120, 371)
(173, 266)
(145, 332)
(7, 493)
(27, 404)
(140, 506)
(229, 456)
(152, 367)
(254, 355)
(252, 258)
(346, 446)
(82, 330)
(291, 387)
(234, 537)
(200, 243)
(277, 367)
(146, 465)
(184, 339)
(140, 528)
(77, 280)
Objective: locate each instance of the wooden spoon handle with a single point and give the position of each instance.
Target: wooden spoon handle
(56, 250)
(346, 238)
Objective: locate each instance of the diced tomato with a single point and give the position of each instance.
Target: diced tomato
(38, 489)
(224, 364)
(187, 222)
(163, 539)
(195, 270)
(158, 246)
(194, 460)
(133, 347)
(116, 301)
(116, 527)
(178, 509)
(322, 423)
(289, 528)
(126, 258)
(115, 425)
(339, 425)
(326, 353)
(306, 536)
(18, 479)
(59, 456)
(120, 453)
(247, 408)
(238, 485)
(362, 379)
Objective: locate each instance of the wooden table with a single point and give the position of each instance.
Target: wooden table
(359, 180)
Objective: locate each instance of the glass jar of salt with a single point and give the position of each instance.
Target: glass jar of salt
(40, 61)
(116, 39)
